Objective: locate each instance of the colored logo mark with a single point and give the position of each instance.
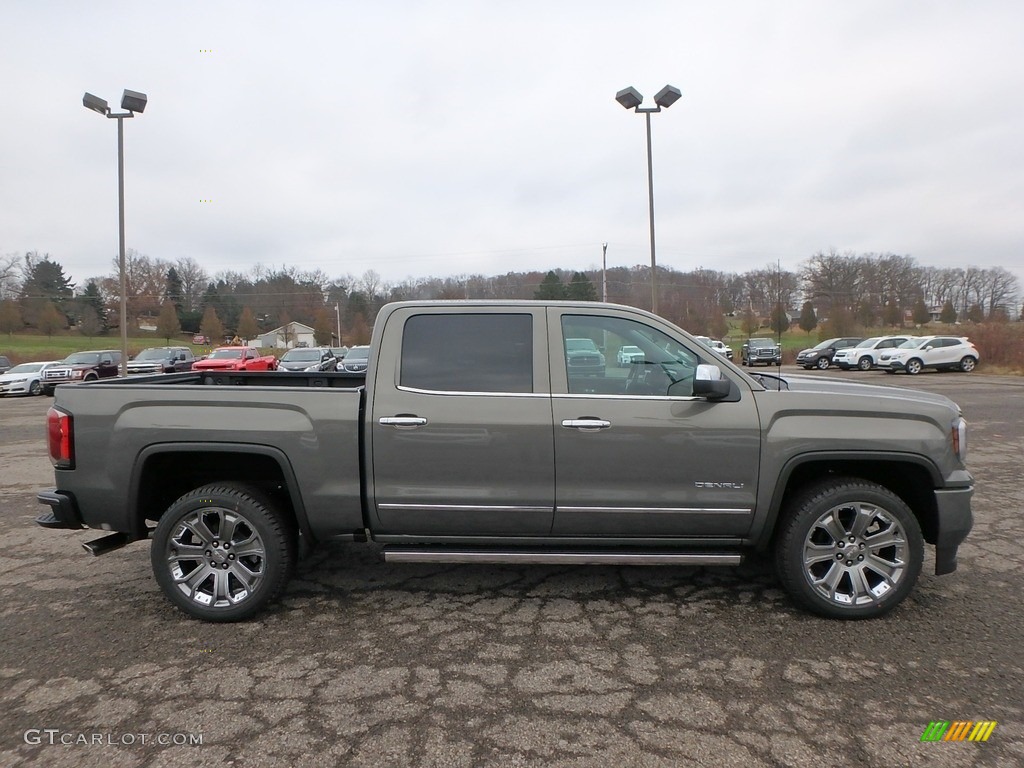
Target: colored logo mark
(958, 730)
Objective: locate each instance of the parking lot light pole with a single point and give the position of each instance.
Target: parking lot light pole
(630, 98)
(133, 102)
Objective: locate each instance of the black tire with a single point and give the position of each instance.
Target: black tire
(864, 363)
(914, 366)
(823, 363)
(201, 574)
(848, 549)
(90, 377)
(48, 391)
(35, 388)
(967, 364)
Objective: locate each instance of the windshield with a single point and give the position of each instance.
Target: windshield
(83, 358)
(912, 343)
(225, 354)
(580, 345)
(301, 356)
(27, 368)
(357, 353)
(825, 344)
(762, 343)
(869, 342)
(154, 354)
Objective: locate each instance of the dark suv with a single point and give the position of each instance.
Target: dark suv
(82, 366)
(820, 355)
(5, 364)
(308, 359)
(761, 350)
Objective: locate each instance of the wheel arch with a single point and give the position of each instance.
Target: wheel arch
(165, 472)
(911, 477)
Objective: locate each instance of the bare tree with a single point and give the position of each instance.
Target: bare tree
(10, 275)
(998, 288)
(193, 282)
(831, 279)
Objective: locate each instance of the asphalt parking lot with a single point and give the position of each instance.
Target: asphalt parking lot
(367, 663)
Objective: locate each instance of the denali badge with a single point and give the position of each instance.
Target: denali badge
(733, 486)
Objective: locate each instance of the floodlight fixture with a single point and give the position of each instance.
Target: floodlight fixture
(630, 98)
(134, 101)
(666, 97)
(95, 103)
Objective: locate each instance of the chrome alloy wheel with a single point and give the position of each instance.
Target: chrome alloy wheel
(215, 557)
(854, 554)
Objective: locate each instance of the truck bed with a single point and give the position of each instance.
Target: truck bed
(182, 434)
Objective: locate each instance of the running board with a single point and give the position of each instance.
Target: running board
(560, 558)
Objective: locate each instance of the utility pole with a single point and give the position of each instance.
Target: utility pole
(604, 272)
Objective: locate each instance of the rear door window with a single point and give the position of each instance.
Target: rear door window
(468, 353)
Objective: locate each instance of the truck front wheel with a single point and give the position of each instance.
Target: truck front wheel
(222, 552)
(848, 549)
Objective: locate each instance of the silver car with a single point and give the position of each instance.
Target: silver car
(25, 379)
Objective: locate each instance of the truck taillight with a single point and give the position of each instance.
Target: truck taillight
(60, 438)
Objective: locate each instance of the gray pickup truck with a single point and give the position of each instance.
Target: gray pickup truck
(470, 440)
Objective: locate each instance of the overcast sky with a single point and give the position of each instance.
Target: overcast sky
(444, 138)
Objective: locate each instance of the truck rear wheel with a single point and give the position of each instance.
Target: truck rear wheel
(223, 552)
(848, 549)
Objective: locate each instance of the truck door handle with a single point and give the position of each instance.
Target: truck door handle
(402, 422)
(586, 424)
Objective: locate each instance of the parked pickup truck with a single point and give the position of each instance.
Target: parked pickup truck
(82, 366)
(161, 360)
(236, 359)
(470, 440)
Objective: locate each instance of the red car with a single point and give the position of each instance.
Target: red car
(236, 359)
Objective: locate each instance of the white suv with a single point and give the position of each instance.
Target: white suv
(953, 353)
(865, 355)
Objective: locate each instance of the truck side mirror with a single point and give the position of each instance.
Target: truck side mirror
(708, 382)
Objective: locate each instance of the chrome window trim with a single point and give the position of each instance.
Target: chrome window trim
(416, 391)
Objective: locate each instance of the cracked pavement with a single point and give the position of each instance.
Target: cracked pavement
(370, 663)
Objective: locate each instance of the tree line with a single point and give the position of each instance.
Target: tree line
(844, 289)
